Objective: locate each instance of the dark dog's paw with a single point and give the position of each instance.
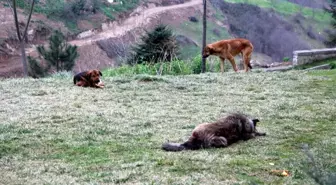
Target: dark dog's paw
(261, 134)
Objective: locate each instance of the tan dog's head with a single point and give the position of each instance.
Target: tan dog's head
(94, 75)
(208, 50)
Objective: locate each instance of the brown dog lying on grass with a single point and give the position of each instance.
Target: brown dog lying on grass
(89, 78)
(228, 49)
(221, 133)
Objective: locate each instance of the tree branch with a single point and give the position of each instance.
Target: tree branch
(16, 21)
(29, 17)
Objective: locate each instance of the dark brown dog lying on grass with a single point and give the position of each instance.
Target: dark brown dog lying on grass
(89, 78)
(221, 133)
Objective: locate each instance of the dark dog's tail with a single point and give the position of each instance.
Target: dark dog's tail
(173, 147)
(191, 144)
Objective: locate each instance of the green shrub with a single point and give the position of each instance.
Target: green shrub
(285, 59)
(197, 64)
(77, 6)
(211, 66)
(54, 8)
(332, 65)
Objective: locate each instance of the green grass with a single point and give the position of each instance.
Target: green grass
(55, 10)
(288, 8)
(176, 67)
(331, 62)
(52, 132)
(194, 30)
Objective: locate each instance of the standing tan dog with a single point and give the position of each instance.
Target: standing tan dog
(89, 78)
(228, 49)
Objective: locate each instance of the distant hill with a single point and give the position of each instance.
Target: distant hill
(276, 27)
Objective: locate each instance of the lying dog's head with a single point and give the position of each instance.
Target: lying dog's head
(208, 50)
(94, 75)
(253, 124)
(255, 121)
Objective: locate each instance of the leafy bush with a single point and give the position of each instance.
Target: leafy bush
(211, 66)
(55, 8)
(333, 65)
(285, 59)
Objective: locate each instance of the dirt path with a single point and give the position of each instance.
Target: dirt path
(138, 20)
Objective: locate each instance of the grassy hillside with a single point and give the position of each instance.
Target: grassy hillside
(72, 12)
(275, 27)
(52, 132)
(287, 8)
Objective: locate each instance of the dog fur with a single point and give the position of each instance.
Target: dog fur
(89, 78)
(228, 49)
(221, 133)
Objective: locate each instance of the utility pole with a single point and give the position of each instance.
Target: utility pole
(204, 36)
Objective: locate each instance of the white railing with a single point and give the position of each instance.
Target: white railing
(309, 56)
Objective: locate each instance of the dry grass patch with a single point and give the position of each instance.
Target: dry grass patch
(56, 133)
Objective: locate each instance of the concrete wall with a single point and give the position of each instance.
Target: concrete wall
(309, 56)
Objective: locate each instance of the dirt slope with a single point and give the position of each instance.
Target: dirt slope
(91, 56)
(139, 19)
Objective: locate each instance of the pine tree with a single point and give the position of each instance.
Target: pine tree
(156, 46)
(36, 69)
(332, 36)
(60, 54)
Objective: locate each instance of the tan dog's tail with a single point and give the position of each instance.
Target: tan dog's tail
(248, 46)
(249, 65)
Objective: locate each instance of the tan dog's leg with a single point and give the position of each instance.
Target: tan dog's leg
(247, 58)
(233, 63)
(222, 64)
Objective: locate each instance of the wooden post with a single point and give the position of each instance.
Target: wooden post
(203, 67)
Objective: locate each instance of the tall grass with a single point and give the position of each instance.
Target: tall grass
(175, 67)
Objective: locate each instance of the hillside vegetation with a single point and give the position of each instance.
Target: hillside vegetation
(276, 27)
(73, 11)
(53, 132)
